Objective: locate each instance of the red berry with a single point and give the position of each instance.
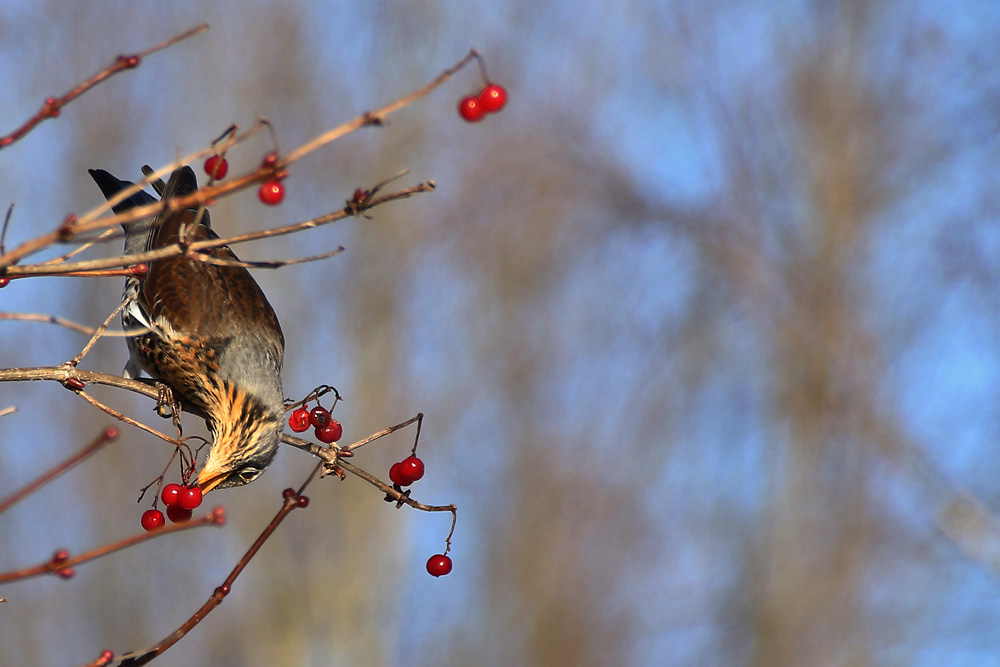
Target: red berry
(331, 432)
(288, 493)
(189, 498)
(319, 417)
(217, 167)
(178, 514)
(438, 565)
(271, 193)
(4, 282)
(66, 573)
(152, 519)
(171, 494)
(60, 556)
(471, 109)
(397, 476)
(299, 420)
(412, 468)
(493, 98)
(105, 658)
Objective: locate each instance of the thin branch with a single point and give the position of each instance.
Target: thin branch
(291, 500)
(273, 264)
(401, 497)
(60, 321)
(125, 418)
(378, 116)
(97, 334)
(3, 232)
(382, 433)
(109, 434)
(52, 105)
(217, 517)
(176, 249)
(73, 226)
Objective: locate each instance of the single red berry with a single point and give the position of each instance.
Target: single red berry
(288, 493)
(271, 193)
(493, 98)
(302, 501)
(397, 476)
(189, 498)
(438, 565)
(332, 432)
(105, 658)
(171, 494)
(412, 468)
(319, 417)
(299, 421)
(217, 167)
(152, 519)
(4, 282)
(178, 514)
(60, 556)
(471, 109)
(66, 573)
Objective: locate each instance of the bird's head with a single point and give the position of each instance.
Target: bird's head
(245, 442)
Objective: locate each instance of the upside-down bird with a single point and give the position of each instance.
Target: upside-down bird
(212, 336)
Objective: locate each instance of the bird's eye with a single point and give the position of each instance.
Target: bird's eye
(249, 474)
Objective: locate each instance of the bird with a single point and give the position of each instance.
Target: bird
(210, 333)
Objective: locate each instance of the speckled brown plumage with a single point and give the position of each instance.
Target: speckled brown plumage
(214, 338)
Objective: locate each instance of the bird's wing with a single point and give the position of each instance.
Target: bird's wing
(196, 297)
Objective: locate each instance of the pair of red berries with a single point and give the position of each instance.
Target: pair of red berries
(327, 428)
(490, 99)
(271, 193)
(407, 471)
(179, 500)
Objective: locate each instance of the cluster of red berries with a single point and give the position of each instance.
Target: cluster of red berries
(179, 500)
(490, 99)
(407, 471)
(271, 193)
(327, 428)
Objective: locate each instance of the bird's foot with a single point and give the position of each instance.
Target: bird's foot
(167, 405)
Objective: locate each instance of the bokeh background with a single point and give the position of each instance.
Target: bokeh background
(705, 326)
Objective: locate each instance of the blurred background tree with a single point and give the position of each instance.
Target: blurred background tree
(704, 325)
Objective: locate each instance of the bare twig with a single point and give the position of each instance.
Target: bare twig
(291, 500)
(3, 232)
(382, 433)
(176, 249)
(73, 226)
(216, 517)
(97, 334)
(73, 326)
(273, 264)
(106, 436)
(52, 105)
(125, 418)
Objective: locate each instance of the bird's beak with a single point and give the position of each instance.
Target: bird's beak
(209, 479)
